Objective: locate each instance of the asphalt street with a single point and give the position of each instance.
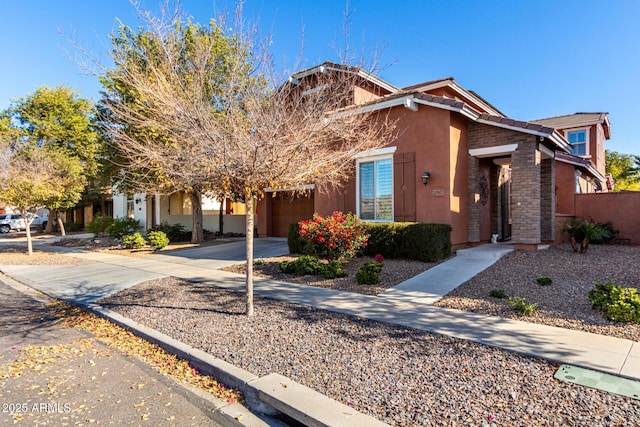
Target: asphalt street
(52, 375)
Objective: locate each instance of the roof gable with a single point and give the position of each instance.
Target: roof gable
(325, 67)
(570, 121)
(448, 87)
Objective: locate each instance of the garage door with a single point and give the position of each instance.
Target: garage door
(287, 209)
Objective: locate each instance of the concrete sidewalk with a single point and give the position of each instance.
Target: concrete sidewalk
(406, 305)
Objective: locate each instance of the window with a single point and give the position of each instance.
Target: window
(578, 141)
(130, 206)
(375, 189)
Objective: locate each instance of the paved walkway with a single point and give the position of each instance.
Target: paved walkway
(408, 304)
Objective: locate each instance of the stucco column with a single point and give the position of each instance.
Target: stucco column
(474, 197)
(525, 194)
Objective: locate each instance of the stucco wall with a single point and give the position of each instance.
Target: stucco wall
(565, 188)
(438, 141)
(620, 208)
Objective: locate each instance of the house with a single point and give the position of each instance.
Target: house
(583, 170)
(175, 208)
(458, 160)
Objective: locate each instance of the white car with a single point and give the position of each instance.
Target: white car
(14, 221)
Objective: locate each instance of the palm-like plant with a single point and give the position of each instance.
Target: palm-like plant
(582, 231)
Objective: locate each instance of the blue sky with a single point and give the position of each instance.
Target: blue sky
(530, 59)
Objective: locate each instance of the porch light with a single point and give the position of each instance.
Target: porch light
(138, 201)
(425, 178)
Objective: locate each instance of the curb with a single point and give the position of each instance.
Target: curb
(272, 396)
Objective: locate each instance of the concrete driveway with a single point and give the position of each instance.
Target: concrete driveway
(233, 252)
(105, 274)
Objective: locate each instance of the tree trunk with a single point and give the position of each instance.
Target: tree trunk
(49, 228)
(574, 244)
(27, 224)
(63, 232)
(197, 233)
(249, 240)
(220, 219)
(584, 245)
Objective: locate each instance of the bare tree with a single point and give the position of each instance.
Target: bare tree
(238, 127)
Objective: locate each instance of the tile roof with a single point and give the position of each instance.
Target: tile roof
(517, 123)
(439, 99)
(572, 120)
(430, 82)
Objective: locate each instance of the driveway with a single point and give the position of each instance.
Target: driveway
(233, 252)
(105, 274)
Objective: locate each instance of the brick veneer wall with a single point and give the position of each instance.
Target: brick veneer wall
(526, 207)
(525, 191)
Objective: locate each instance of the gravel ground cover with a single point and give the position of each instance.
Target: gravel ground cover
(565, 302)
(395, 271)
(17, 255)
(402, 376)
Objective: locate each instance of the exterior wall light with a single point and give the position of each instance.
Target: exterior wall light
(425, 178)
(138, 201)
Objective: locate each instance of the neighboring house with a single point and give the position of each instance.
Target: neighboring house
(175, 208)
(583, 170)
(458, 160)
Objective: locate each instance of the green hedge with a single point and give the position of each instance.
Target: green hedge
(296, 244)
(423, 242)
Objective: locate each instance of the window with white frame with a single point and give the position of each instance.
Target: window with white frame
(579, 142)
(130, 206)
(375, 189)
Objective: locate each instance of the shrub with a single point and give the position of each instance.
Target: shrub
(422, 242)
(544, 281)
(368, 273)
(332, 270)
(609, 233)
(302, 266)
(99, 225)
(582, 231)
(72, 226)
(616, 303)
(295, 242)
(133, 241)
(157, 239)
(522, 306)
(497, 293)
(123, 227)
(311, 265)
(386, 239)
(338, 236)
(174, 232)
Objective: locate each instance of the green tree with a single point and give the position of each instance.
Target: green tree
(157, 71)
(37, 178)
(61, 124)
(625, 170)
